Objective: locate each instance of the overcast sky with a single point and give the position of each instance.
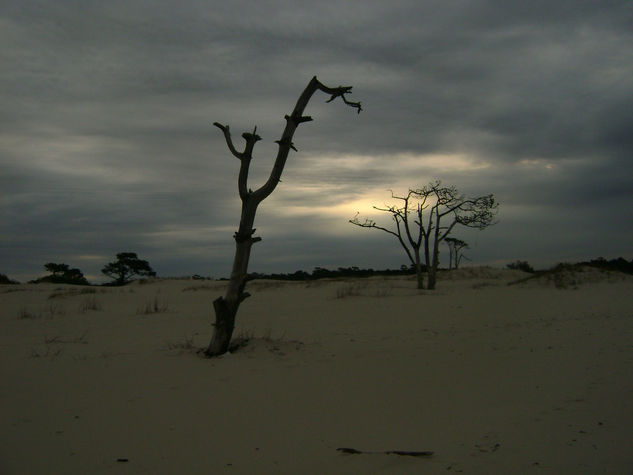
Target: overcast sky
(107, 143)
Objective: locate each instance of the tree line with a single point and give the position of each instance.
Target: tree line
(615, 265)
(126, 266)
(323, 273)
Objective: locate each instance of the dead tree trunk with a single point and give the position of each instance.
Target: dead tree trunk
(226, 307)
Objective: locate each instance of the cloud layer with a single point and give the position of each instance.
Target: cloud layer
(106, 142)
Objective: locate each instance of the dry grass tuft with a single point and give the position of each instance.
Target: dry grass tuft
(89, 303)
(49, 351)
(186, 344)
(26, 314)
(157, 305)
(63, 293)
(349, 290)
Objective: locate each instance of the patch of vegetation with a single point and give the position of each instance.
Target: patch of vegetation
(566, 275)
(157, 305)
(89, 303)
(350, 290)
(521, 265)
(322, 273)
(4, 280)
(186, 344)
(63, 293)
(62, 274)
(50, 351)
(195, 288)
(26, 314)
(617, 265)
(55, 309)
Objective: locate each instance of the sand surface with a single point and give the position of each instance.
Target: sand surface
(530, 378)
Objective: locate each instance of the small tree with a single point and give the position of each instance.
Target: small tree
(226, 307)
(456, 254)
(5, 280)
(62, 274)
(56, 269)
(127, 266)
(418, 230)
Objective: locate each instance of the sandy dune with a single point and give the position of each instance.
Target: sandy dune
(535, 377)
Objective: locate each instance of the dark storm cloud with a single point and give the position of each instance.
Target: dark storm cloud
(107, 143)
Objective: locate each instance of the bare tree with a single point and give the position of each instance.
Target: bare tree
(418, 230)
(410, 237)
(456, 254)
(226, 307)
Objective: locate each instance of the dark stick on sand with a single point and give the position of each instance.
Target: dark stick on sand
(348, 450)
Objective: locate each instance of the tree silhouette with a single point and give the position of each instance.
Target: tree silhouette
(417, 230)
(456, 255)
(6, 280)
(62, 274)
(226, 307)
(127, 266)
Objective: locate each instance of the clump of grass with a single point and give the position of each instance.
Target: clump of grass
(383, 292)
(481, 285)
(195, 288)
(145, 281)
(265, 285)
(50, 311)
(350, 290)
(49, 351)
(314, 283)
(186, 344)
(244, 334)
(156, 305)
(62, 293)
(89, 303)
(26, 314)
(55, 309)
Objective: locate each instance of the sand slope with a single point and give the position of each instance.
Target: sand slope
(493, 378)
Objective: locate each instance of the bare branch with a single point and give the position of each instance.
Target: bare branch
(369, 223)
(229, 141)
(340, 92)
(292, 122)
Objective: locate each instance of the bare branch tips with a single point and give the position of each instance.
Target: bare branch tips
(250, 139)
(340, 92)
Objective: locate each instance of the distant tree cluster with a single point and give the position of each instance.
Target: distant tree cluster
(521, 265)
(617, 265)
(127, 266)
(322, 273)
(62, 274)
(5, 280)
(620, 264)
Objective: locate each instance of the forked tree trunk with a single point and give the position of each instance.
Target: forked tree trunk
(226, 307)
(418, 271)
(432, 269)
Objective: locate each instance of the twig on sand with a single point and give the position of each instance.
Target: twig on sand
(348, 450)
